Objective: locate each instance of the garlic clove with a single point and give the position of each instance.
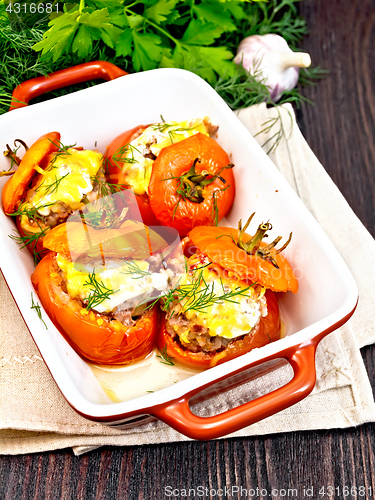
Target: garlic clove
(294, 59)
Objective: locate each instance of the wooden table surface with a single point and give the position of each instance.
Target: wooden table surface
(340, 129)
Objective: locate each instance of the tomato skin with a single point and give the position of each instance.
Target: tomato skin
(113, 170)
(223, 251)
(147, 215)
(115, 175)
(91, 334)
(174, 161)
(16, 186)
(267, 331)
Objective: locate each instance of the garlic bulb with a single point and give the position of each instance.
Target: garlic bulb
(271, 61)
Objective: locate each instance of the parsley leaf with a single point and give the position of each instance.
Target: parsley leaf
(208, 12)
(58, 39)
(82, 43)
(147, 52)
(160, 11)
(198, 33)
(125, 43)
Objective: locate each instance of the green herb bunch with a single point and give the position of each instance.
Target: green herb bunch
(197, 35)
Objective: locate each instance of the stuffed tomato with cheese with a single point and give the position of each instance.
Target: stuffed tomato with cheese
(179, 173)
(225, 303)
(49, 184)
(98, 287)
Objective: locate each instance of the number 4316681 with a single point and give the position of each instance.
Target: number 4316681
(32, 8)
(345, 491)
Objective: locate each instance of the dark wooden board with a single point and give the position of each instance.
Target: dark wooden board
(340, 129)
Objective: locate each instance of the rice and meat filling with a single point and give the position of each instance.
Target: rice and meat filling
(206, 309)
(210, 310)
(120, 290)
(71, 179)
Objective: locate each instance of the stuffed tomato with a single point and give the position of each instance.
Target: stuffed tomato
(225, 303)
(98, 288)
(51, 181)
(179, 173)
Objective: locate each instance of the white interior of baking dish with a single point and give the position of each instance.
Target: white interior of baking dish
(92, 118)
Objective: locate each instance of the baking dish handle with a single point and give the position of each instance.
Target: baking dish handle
(76, 74)
(177, 414)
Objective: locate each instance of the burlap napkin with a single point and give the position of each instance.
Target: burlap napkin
(35, 417)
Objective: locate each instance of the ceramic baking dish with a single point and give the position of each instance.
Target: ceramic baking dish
(327, 294)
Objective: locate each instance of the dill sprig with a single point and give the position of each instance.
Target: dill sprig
(30, 241)
(175, 129)
(121, 154)
(62, 149)
(165, 359)
(199, 294)
(278, 134)
(53, 186)
(107, 188)
(241, 90)
(38, 310)
(98, 293)
(30, 211)
(134, 270)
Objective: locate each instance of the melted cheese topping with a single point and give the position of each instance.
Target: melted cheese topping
(129, 282)
(67, 179)
(153, 140)
(239, 310)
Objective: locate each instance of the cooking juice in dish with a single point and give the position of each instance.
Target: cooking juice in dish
(123, 383)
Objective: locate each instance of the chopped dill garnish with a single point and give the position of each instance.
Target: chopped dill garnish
(30, 211)
(107, 188)
(121, 154)
(54, 186)
(29, 240)
(99, 293)
(62, 149)
(38, 310)
(134, 270)
(176, 130)
(165, 359)
(199, 295)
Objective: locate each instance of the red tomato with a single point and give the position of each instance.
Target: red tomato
(267, 331)
(92, 335)
(181, 198)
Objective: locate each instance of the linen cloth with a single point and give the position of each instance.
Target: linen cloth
(35, 417)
